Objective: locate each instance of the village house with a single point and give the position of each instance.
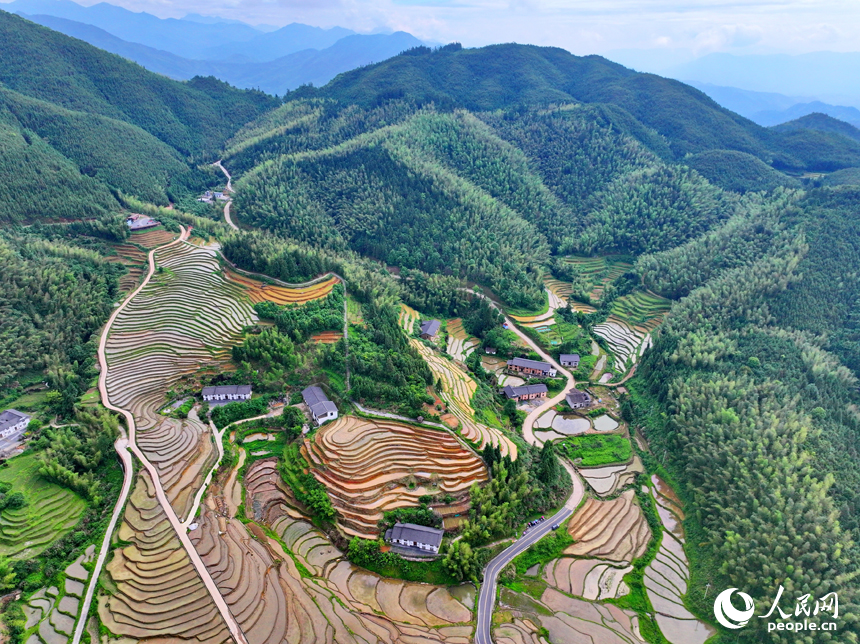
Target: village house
(321, 408)
(206, 198)
(531, 367)
(227, 392)
(220, 196)
(569, 360)
(490, 351)
(136, 221)
(415, 536)
(578, 399)
(430, 329)
(12, 421)
(525, 392)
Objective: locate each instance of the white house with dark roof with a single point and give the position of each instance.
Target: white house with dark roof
(415, 536)
(531, 367)
(321, 408)
(227, 392)
(12, 421)
(430, 329)
(569, 360)
(578, 399)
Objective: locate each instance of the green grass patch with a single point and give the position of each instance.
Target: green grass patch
(550, 547)
(595, 450)
(51, 511)
(527, 585)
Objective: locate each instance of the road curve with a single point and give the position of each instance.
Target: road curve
(181, 532)
(487, 596)
(229, 188)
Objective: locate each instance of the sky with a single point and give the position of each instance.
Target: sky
(672, 31)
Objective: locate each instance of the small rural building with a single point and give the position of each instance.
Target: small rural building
(578, 399)
(531, 367)
(12, 421)
(321, 408)
(525, 392)
(220, 196)
(430, 329)
(136, 221)
(227, 392)
(415, 536)
(569, 360)
(490, 351)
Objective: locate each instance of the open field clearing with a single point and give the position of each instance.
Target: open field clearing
(624, 341)
(261, 292)
(611, 478)
(567, 620)
(51, 510)
(327, 337)
(154, 590)
(460, 343)
(407, 319)
(275, 601)
(599, 271)
(185, 319)
(615, 530)
(592, 579)
(370, 467)
(153, 237)
(458, 387)
(641, 311)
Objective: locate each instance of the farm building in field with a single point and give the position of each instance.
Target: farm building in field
(525, 392)
(415, 536)
(569, 360)
(531, 367)
(137, 221)
(321, 408)
(12, 421)
(430, 329)
(227, 392)
(578, 399)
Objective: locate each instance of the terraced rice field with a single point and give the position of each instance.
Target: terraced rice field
(134, 260)
(615, 530)
(460, 343)
(327, 337)
(157, 591)
(50, 513)
(261, 292)
(153, 237)
(606, 480)
(624, 341)
(458, 388)
(600, 271)
(592, 579)
(273, 601)
(367, 467)
(554, 302)
(185, 319)
(407, 319)
(641, 311)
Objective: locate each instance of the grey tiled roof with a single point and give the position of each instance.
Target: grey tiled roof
(417, 533)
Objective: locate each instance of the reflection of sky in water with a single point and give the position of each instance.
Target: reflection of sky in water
(604, 424)
(570, 426)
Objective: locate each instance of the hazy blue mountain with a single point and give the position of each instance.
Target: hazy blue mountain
(277, 44)
(214, 20)
(822, 123)
(775, 117)
(275, 77)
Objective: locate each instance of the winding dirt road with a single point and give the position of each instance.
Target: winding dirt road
(179, 528)
(229, 188)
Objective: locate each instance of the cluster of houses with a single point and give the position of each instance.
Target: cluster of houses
(209, 196)
(575, 398)
(12, 421)
(136, 221)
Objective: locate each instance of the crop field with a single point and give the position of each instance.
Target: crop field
(327, 337)
(186, 319)
(407, 319)
(296, 586)
(592, 579)
(615, 530)
(155, 590)
(371, 467)
(606, 480)
(460, 343)
(624, 341)
(641, 311)
(261, 292)
(152, 237)
(458, 387)
(51, 510)
(600, 271)
(134, 260)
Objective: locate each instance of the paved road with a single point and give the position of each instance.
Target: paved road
(487, 596)
(181, 531)
(229, 189)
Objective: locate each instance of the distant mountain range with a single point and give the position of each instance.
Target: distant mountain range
(273, 61)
